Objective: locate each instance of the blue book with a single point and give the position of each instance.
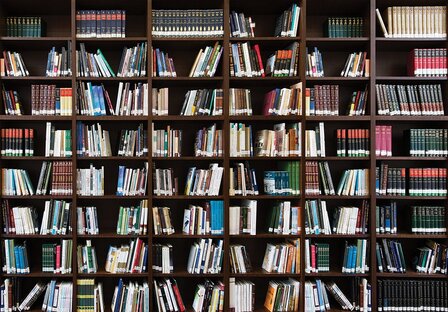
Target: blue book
(315, 218)
(50, 297)
(95, 100)
(17, 259)
(354, 255)
(120, 183)
(320, 296)
(118, 298)
(269, 182)
(221, 217)
(100, 96)
(54, 224)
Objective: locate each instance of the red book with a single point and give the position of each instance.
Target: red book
(388, 140)
(259, 60)
(136, 255)
(313, 258)
(179, 300)
(58, 259)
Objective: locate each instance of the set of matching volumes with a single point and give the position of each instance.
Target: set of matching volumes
(49, 100)
(386, 218)
(283, 141)
(207, 61)
(86, 258)
(133, 295)
(427, 182)
(209, 297)
(390, 181)
(345, 27)
(202, 102)
(87, 218)
(12, 64)
(428, 220)
(19, 220)
(356, 65)
(61, 178)
(240, 102)
(314, 64)
(317, 257)
(92, 141)
(161, 218)
(412, 295)
(285, 219)
(355, 257)
(188, 23)
(313, 183)
(245, 61)
(428, 142)
(16, 182)
(427, 63)
(203, 220)
(162, 64)
(100, 24)
(14, 257)
(58, 297)
(315, 141)
(413, 100)
(287, 24)
(346, 220)
(241, 295)
(167, 295)
(164, 182)
(383, 141)
(323, 100)
(133, 220)
(132, 182)
(284, 182)
(240, 140)
(92, 64)
(282, 258)
(90, 181)
(133, 61)
(17, 142)
(58, 143)
(166, 143)
(390, 256)
(30, 26)
(414, 22)
(283, 295)
(131, 258)
(239, 259)
(59, 64)
(209, 142)
(316, 296)
(243, 219)
(354, 182)
(56, 219)
(162, 261)
(57, 258)
(202, 182)
(11, 102)
(284, 63)
(282, 102)
(243, 180)
(353, 142)
(205, 257)
(241, 26)
(432, 258)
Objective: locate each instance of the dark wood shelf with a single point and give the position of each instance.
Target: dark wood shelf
(335, 197)
(406, 78)
(189, 158)
(265, 236)
(411, 236)
(336, 274)
(339, 79)
(35, 39)
(187, 118)
(265, 197)
(35, 78)
(265, 274)
(185, 197)
(34, 158)
(336, 40)
(266, 118)
(337, 158)
(264, 39)
(126, 39)
(34, 118)
(411, 197)
(185, 236)
(412, 118)
(410, 275)
(410, 158)
(338, 118)
(112, 118)
(343, 236)
(270, 158)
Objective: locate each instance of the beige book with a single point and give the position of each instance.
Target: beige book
(390, 22)
(408, 22)
(195, 63)
(424, 22)
(443, 23)
(398, 30)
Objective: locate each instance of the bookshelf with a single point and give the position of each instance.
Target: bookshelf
(387, 66)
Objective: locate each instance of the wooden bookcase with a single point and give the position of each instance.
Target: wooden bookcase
(388, 65)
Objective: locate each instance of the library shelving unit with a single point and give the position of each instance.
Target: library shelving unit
(387, 56)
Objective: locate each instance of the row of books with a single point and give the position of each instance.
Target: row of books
(204, 181)
(59, 64)
(356, 65)
(284, 63)
(241, 26)
(353, 142)
(132, 258)
(86, 258)
(208, 102)
(93, 141)
(315, 141)
(346, 220)
(386, 218)
(29, 26)
(413, 22)
(57, 258)
(314, 66)
(206, 257)
(322, 100)
(209, 296)
(282, 295)
(58, 143)
(58, 296)
(428, 142)
(243, 219)
(239, 259)
(245, 61)
(11, 102)
(432, 258)
(17, 142)
(162, 258)
(90, 295)
(50, 100)
(90, 181)
(285, 219)
(203, 220)
(428, 219)
(167, 295)
(412, 294)
(283, 141)
(383, 140)
(355, 257)
(427, 63)
(283, 182)
(16, 182)
(317, 257)
(14, 257)
(133, 61)
(414, 100)
(87, 221)
(241, 295)
(166, 143)
(133, 220)
(188, 23)
(390, 256)
(100, 24)
(206, 62)
(287, 24)
(131, 181)
(12, 64)
(282, 258)
(162, 64)
(92, 64)
(317, 299)
(133, 142)
(345, 27)
(209, 142)
(61, 178)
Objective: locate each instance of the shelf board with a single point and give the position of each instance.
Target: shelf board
(185, 236)
(266, 118)
(336, 274)
(187, 118)
(39, 197)
(186, 39)
(39, 275)
(189, 79)
(101, 197)
(338, 118)
(265, 235)
(410, 274)
(262, 273)
(265, 158)
(336, 40)
(112, 118)
(339, 79)
(336, 158)
(32, 39)
(126, 39)
(113, 275)
(35, 78)
(189, 158)
(111, 235)
(335, 197)
(290, 79)
(412, 118)
(412, 236)
(39, 236)
(343, 236)
(112, 158)
(34, 118)
(141, 79)
(35, 158)
(186, 274)
(411, 197)
(266, 197)
(264, 39)
(185, 197)
(410, 40)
